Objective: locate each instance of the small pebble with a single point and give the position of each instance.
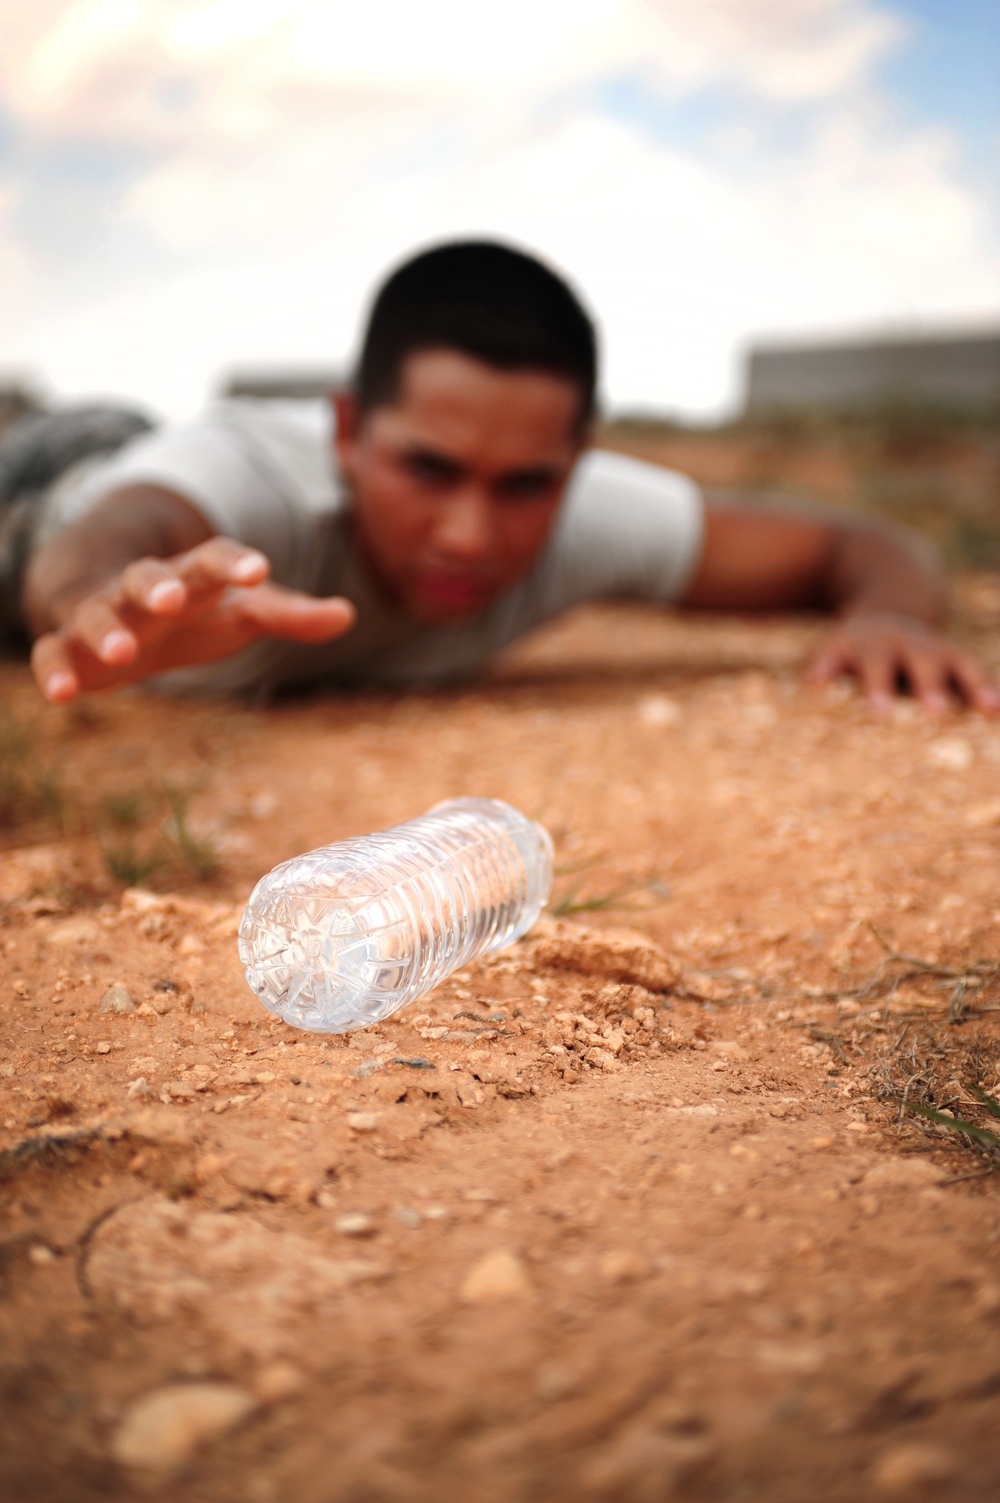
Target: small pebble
(914, 1469)
(74, 932)
(355, 1224)
(951, 754)
(658, 710)
(903, 1174)
(498, 1278)
(556, 1382)
(116, 999)
(104, 1047)
(407, 1216)
(278, 1380)
(367, 1067)
(622, 1267)
(163, 1429)
(181, 1091)
(362, 1121)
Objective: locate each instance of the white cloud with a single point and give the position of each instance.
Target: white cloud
(84, 61)
(287, 150)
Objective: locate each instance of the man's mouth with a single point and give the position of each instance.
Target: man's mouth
(455, 591)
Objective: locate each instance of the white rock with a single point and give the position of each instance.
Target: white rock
(980, 816)
(950, 753)
(164, 1428)
(913, 1469)
(646, 1465)
(622, 1267)
(658, 709)
(499, 1277)
(180, 1090)
(354, 1224)
(903, 1174)
(116, 999)
(74, 932)
(278, 1380)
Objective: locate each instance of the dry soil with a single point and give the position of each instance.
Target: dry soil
(632, 1211)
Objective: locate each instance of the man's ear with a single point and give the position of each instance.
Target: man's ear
(348, 416)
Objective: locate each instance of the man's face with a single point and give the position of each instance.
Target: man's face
(456, 483)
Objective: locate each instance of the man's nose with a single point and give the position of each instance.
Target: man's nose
(464, 529)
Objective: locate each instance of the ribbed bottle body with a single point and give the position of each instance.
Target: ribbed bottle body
(345, 935)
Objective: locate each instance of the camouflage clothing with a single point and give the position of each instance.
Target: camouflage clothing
(36, 452)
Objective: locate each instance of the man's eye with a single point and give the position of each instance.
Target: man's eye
(526, 487)
(430, 469)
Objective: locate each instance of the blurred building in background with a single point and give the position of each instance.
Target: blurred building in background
(277, 384)
(959, 374)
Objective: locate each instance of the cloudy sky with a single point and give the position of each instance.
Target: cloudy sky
(191, 184)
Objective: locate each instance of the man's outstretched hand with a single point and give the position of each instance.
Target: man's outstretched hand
(884, 650)
(163, 613)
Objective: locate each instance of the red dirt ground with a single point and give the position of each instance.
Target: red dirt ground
(652, 1225)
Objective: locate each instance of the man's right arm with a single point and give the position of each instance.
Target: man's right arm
(141, 584)
(138, 521)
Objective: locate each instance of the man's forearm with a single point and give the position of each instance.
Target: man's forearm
(759, 555)
(137, 522)
(876, 568)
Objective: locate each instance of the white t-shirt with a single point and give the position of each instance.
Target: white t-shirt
(266, 474)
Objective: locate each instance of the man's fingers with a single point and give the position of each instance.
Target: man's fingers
(974, 683)
(279, 612)
(152, 584)
(884, 652)
(53, 670)
(829, 663)
(935, 673)
(927, 672)
(876, 670)
(218, 563)
(97, 624)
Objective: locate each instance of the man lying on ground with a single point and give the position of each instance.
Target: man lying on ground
(455, 504)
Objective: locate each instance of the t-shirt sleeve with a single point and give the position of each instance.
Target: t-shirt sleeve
(628, 528)
(210, 465)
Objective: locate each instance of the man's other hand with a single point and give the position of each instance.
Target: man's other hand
(886, 652)
(163, 613)
(883, 582)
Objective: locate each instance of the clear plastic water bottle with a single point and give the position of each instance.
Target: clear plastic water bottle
(343, 936)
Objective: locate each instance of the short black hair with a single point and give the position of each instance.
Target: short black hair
(486, 299)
